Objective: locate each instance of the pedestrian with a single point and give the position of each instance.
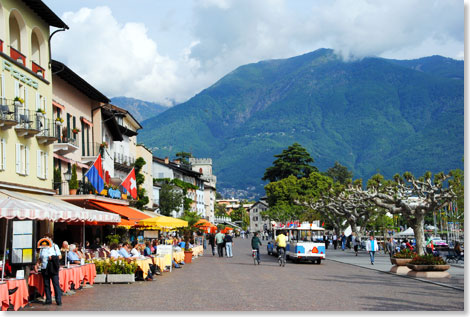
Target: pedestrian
(335, 241)
(211, 239)
(372, 246)
(219, 240)
(343, 241)
(48, 262)
(327, 241)
(228, 245)
(255, 243)
(357, 243)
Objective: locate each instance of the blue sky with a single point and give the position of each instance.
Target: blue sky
(167, 51)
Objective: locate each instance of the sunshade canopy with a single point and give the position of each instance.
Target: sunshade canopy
(131, 215)
(44, 207)
(163, 222)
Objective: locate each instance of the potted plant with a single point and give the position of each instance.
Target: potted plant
(75, 130)
(403, 257)
(59, 121)
(40, 112)
(73, 183)
(104, 145)
(18, 101)
(101, 269)
(121, 271)
(428, 262)
(57, 180)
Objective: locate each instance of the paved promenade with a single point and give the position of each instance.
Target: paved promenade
(235, 284)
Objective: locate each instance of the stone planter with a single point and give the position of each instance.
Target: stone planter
(100, 279)
(400, 261)
(120, 278)
(72, 191)
(428, 271)
(420, 268)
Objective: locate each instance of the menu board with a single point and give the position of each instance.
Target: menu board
(22, 244)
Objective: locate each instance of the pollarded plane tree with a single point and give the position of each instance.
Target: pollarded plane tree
(412, 198)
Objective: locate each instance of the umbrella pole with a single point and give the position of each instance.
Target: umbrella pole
(4, 251)
(83, 245)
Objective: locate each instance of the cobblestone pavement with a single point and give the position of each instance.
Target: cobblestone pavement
(235, 284)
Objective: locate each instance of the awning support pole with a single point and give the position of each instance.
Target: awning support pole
(4, 251)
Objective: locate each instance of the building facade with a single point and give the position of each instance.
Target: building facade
(146, 154)
(259, 223)
(204, 166)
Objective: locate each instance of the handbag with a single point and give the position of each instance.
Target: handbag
(53, 264)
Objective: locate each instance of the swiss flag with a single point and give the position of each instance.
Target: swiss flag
(130, 184)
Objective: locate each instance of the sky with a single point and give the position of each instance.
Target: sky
(168, 51)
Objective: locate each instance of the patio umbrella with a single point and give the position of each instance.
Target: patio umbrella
(163, 222)
(202, 223)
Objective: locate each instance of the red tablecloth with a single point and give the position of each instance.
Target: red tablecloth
(89, 273)
(20, 297)
(4, 298)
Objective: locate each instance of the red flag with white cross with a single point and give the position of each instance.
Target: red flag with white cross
(130, 184)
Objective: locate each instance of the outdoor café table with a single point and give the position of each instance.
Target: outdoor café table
(178, 256)
(198, 250)
(161, 261)
(73, 274)
(89, 273)
(144, 265)
(20, 297)
(4, 298)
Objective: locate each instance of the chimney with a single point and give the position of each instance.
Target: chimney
(167, 160)
(177, 161)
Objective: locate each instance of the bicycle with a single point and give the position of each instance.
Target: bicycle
(281, 259)
(254, 253)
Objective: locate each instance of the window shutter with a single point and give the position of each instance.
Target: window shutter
(3, 87)
(4, 154)
(38, 101)
(27, 160)
(46, 163)
(46, 106)
(18, 158)
(26, 103)
(17, 88)
(38, 162)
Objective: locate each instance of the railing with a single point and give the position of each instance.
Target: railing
(26, 119)
(17, 55)
(123, 159)
(7, 111)
(46, 126)
(93, 149)
(38, 69)
(68, 140)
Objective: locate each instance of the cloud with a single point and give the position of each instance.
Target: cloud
(220, 35)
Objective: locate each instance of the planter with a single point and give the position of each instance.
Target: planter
(400, 261)
(58, 123)
(104, 192)
(421, 268)
(18, 104)
(72, 191)
(100, 279)
(40, 114)
(120, 278)
(188, 256)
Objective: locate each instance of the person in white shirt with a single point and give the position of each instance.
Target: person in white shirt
(114, 251)
(135, 253)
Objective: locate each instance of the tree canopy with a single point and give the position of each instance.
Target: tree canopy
(295, 160)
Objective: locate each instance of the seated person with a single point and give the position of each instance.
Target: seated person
(114, 252)
(147, 250)
(63, 250)
(181, 244)
(135, 252)
(72, 255)
(124, 250)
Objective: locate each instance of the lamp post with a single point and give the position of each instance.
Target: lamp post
(67, 176)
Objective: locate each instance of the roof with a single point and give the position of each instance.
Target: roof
(136, 123)
(177, 167)
(68, 75)
(112, 124)
(132, 216)
(42, 10)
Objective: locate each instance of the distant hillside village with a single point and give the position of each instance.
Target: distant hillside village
(55, 126)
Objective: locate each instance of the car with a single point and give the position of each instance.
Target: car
(439, 242)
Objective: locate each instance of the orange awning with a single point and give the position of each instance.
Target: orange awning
(129, 216)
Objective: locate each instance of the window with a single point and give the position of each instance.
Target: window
(22, 159)
(42, 166)
(40, 102)
(15, 37)
(3, 154)
(160, 175)
(35, 49)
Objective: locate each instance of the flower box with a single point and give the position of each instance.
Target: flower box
(18, 104)
(120, 278)
(100, 279)
(188, 256)
(428, 267)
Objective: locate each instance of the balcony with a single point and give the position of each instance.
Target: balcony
(28, 123)
(123, 162)
(48, 133)
(17, 56)
(7, 115)
(65, 145)
(92, 149)
(38, 70)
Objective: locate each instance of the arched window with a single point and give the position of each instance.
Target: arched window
(35, 49)
(15, 37)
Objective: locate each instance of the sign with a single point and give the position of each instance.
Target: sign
(20, 275)
(114, 193)
(150, 234)
(165, 250)
(22, 244)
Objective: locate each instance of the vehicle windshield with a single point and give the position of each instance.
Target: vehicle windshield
(307, 236)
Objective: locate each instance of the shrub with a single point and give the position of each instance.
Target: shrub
(405, 254)
(101, 266)
(73, 184)
(121, 267)
(428, 259)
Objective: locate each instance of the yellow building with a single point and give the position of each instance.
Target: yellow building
(27, 127)
(146, 154)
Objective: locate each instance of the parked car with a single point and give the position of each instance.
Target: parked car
(439, 242)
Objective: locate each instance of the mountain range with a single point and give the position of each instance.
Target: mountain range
(140, 109)
(371, 115)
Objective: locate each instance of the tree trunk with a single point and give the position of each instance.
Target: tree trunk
(418, 228)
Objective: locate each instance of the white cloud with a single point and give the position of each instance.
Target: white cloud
(122, 59)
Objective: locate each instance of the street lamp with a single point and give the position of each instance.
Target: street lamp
(67, 176)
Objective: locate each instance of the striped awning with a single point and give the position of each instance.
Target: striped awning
(44, 207)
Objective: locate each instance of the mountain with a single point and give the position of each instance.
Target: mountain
(140, 109)
(372, 115)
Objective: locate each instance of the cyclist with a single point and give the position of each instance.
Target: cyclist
(281, 242)
(255, 243)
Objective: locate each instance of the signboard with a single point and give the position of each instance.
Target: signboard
(151, 234)
(163, 250)
(22, 244)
